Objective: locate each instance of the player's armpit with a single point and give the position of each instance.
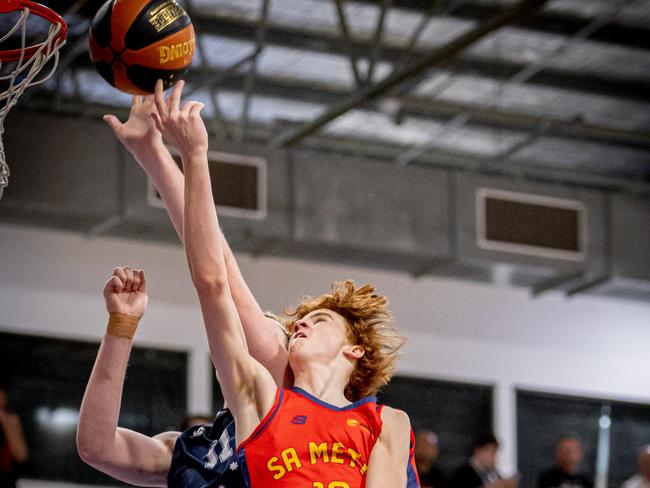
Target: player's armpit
(387, 467)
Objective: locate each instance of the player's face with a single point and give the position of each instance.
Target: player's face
(321, 333)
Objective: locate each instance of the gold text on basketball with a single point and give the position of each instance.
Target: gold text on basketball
(175, 51)
(165, 15)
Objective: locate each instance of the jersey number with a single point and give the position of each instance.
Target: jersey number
(332, 484)
(224, 455)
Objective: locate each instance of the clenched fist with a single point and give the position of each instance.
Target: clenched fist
(126, 292)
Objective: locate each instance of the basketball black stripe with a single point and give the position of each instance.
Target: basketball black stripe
(159, 19)
(101, 25)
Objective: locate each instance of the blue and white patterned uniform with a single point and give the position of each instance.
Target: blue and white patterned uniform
(204, 456)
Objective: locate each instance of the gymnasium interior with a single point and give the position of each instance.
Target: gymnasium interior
(484, 163)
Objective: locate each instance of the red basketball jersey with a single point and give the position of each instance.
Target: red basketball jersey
(304, 442)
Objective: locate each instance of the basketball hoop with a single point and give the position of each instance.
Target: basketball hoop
(28, 61)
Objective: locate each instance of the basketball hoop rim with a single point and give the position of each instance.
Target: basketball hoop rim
(46, 13)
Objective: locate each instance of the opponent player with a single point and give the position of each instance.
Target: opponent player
(342, 349)
(201, 456)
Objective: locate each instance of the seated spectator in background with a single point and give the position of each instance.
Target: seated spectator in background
(13, 447)
(566, 472)
(426, 457)
(480, 470)
(194, 421)
(642, 478)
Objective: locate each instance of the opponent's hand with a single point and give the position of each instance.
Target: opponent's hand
(126, 292)
(139, 133)
(184, 128)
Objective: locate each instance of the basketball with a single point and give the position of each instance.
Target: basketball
(133, 43)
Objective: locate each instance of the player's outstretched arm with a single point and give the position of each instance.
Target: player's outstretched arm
(389, 458)
(124, 454)
(144, 141)
(248, 388)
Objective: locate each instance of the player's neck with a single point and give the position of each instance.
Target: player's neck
(325, 383)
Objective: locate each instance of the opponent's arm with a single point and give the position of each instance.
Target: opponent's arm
(389, 458)
(248, 388)
(122, 453)
(145, 143)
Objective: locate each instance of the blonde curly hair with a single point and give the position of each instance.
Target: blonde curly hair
(370, 325)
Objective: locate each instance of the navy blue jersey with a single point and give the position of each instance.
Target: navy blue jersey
(204, 456)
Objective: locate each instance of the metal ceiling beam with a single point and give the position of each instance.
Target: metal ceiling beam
(251, 75)
(377, 40)
(347, 37)
(418, 107)
(514, 120)
(439, 55)
(423, 108)
(608, 83)
(523, 76)
(517, 168)
(549, 22)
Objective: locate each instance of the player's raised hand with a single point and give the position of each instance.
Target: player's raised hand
(182, 127)
(126, 292)
(139, 133)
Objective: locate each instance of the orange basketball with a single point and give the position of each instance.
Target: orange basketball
(133, 43)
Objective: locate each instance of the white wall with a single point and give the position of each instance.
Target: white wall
(50, 284)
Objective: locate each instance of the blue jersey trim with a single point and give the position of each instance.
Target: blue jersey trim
(329, 406)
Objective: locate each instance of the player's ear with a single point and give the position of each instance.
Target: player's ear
(354, 352)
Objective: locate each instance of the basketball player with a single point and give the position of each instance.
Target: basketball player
(200, 456)
(196, 447)
(326, 431)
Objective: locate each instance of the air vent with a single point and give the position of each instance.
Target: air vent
(239, 185)
(529, 224)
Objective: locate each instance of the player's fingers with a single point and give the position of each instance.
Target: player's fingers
(188, 107)
(116, 283)
(195, 110)
(157, 121)
(136, 100)
(136, 280)
(128, 284)
(119, 272)
(159, 98)
(174, 101)
(143, 282)
(112, 121)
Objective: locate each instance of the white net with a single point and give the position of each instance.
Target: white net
(19, 74)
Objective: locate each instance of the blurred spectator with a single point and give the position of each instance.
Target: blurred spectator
(13, 447)
(194, 420)
(566, 472)
(426, 460)
(480, 470)
(642, 478)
